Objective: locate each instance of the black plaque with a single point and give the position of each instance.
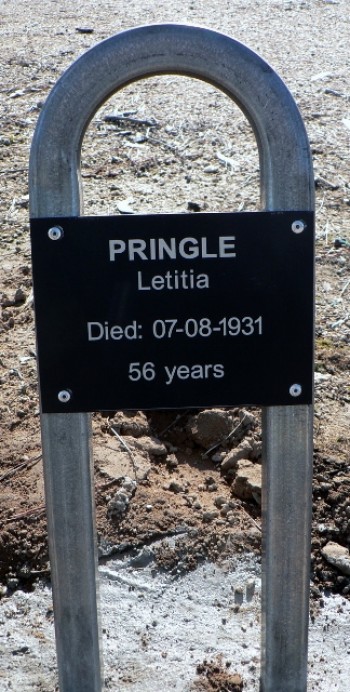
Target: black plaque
(170, 311)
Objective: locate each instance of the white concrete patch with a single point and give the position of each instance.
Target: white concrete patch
(157, 628)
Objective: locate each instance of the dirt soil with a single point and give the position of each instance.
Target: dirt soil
(151, 156)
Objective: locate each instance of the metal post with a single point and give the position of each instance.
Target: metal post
(287, 477)
(286, 184)
(71, 520)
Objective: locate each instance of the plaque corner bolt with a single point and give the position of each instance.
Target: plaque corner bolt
(64, 396)
(295, 390)
(298, 226)
(55, 233)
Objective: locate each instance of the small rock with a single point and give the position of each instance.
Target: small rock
(23, 202)
(175, 487)
(20, 296)
(321, 377)
(129, 486)
(22, 650)
(256, 452)
(143, 558)
(218, 457)
(247, 418)
(84, 30)
(152, 446)
(247, 481)
(133, 424)
(193, 206)
(210, 426)
(250, 589)
(124, 206)
(242, 451)
(210, 169)
(338, 556)
(171, 461)
(219, 501)
(209, 516)
(239, 595)
(140, 138)
(118, 505)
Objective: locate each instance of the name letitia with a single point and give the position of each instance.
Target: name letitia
(173, 281)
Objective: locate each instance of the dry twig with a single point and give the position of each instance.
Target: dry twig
(29, 513)
(126, 447)
(25, 465)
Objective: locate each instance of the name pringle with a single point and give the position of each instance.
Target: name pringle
(174, 248)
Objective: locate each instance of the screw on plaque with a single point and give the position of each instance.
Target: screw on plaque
(64, 396)
(55, 233)
(295, 390)
(298, 226)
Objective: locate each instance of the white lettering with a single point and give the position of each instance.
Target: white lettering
(192, 250)
(173, 281)
(97, 331)
(92, 334)
(160, 248)
(226, 245)
(195, 372)
(165, 248)
(136, 247)
(170, 373)
(205, 253)
(115, 247)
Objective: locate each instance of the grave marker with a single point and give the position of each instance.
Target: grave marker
(57, 228)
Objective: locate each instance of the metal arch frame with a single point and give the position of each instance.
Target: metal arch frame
(286, 184)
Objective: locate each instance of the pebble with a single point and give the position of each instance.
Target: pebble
(338, 556)
(218, 457)
(172, 461)
(220, 501)
(247, 481)
(118, 505)
(175, 487)
(19, 296)
(84, 30)
(210, 427)
(242, 451)
(193, 206)
(210, 169)
(151, 445)
(250, 589)
(209, 516)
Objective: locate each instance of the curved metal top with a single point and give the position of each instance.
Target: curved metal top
(285, 161)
